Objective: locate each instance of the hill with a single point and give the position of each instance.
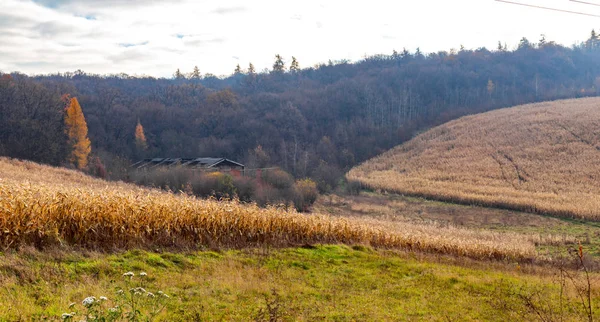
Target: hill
(541, 158)
(316, 122)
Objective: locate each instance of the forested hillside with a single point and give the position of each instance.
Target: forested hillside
(317, 121)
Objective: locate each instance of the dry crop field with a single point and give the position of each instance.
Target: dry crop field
(44, 206)
(542, 158)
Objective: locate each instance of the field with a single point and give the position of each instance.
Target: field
(66, 236)
(42, 207)
(541, 158)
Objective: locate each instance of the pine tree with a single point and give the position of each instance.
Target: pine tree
(140, 137)
(592, 43)
(405, 53)
(238, 70)
(251, 70)
(524, 44)
(279, 65)
(195, 74)
(178, 74)
(294, 66)
(542, 41)
(77, 131)
(418, 53)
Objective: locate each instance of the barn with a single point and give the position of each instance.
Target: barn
(204, 164)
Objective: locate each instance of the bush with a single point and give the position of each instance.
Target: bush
(168, 179)
(353, 187)
(277, 187)
(215, 184)
(279, 179)
(306, 194)
(245, 188)
(327, 177)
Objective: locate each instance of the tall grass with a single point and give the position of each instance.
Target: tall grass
(541, 158)
(43, 206)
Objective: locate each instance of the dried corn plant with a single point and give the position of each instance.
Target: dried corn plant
(542, 158)
(45, 206)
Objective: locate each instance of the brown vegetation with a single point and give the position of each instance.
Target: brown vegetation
(541, 158)
(44, 206)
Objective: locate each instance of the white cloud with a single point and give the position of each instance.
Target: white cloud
(156, 37)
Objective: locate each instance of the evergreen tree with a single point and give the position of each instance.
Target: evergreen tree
(542, 41)
(238, 70)
(195, 74)
(405, 53)
(251, 70)
(279, 65)
(592, 43)
(524, 44)
(294, 66)
(178, 74)
(418, 53)
(77, 132)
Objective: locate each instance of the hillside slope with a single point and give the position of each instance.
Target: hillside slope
(45, 206)
(542, 158)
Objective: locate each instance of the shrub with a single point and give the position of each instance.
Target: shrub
(327, 177)
(278, 178)
(245, 188)
(353, 187)
(306, 194)
(276, 188)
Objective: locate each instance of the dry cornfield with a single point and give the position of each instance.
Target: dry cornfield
(541, 158)
(45, 206)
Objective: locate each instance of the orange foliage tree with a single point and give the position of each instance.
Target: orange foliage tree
(77, 131)
(140, 137)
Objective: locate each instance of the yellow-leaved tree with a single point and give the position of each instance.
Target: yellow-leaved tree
(77, 131)
(140, 137)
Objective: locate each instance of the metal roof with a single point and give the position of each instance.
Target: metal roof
(206, 162)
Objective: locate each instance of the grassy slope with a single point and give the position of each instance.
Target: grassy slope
(334, 283)
(537, 158)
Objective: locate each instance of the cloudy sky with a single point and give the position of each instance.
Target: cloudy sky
(155, 37)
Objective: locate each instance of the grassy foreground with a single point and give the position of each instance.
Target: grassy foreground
(335, 283)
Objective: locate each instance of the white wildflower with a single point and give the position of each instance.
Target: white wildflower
(165, 295)
(120, 292)
(129, 274)
(72, 305)
(103, 298)
(143, 274)
(113, 309)
(88, 301)
(149, 294)
(65, 316)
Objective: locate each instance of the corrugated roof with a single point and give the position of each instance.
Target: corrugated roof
(205, 162)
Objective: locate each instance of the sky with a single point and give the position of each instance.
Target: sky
(156, 37)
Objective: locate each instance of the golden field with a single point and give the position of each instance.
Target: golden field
(542, 158)
(45, 206)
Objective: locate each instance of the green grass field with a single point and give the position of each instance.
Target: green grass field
(334, 283)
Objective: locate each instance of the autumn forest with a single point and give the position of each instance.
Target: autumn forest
(316, 121)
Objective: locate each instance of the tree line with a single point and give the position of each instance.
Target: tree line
(312, 122)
